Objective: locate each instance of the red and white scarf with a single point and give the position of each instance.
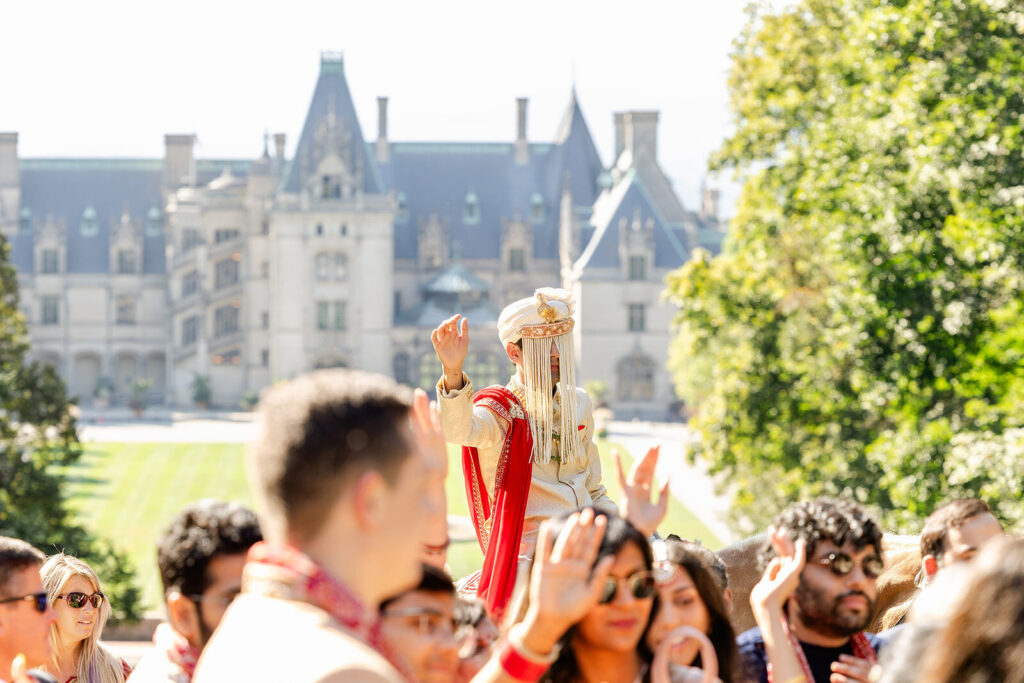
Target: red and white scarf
(858, 641)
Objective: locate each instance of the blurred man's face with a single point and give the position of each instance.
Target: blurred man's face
(420, 628)
(225, 575)
(837, 605)
(23, 628)
(964, 541)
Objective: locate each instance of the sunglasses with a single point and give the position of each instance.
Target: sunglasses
(77, 600)
(40, 598)
(641, 585)
(841, 564)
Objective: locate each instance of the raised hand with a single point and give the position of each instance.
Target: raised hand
(562, 586)
(636, 502)
(781, 577)
(451, 344)
(430, 440)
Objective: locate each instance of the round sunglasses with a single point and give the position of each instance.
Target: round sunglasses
(841, 564)
(41, 600)
(641, 585)
(77, 600)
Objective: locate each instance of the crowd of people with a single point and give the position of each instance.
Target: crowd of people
(342, 577)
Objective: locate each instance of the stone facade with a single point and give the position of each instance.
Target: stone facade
(246, 272)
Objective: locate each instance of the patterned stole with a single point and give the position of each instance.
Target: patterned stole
(499, 522)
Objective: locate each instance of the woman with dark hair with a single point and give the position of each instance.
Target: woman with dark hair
(607, 644)
(692, 595)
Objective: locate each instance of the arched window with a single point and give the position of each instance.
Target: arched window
(636, 378)
(154, 222)
(402, 368)
(25, 220)
(90, 224)
(340, 265)
(471, 211)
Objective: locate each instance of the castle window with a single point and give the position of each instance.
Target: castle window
(265, 320)
(517, 260)
(51, 261)
(323, 266)
(190, 239)
(330, 315)
(403, 208)
(402, 366)
(637, 322)
(536, 208)
(471, 211)
(637, 268)
(225, 320)
(636, 378)
(50, 310)
(125, 310)
(126, 261)
(265, 358)
(25, 220)
(89, 225)
(154, 222)
(225, 235)
(226, 272)
(319, 229)
(232, 357)
(189, 330)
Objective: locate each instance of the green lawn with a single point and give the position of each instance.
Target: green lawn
(129, 492)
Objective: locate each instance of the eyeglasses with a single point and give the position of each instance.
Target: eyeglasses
(77, 600)
(640, 584)
(40, 598)
(841, 564)
(429, 622)
(219, 599)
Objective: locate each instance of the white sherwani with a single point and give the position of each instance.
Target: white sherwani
(556, 488)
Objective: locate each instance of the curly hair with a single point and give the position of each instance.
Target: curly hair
(826, 519)
(200, 532)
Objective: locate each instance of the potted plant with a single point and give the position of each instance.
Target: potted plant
(137, 401)
(201, 391)
(103, 392)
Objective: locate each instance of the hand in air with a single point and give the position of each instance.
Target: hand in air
(637, 503)
(782, 575)
(430, 440)
(451, 342)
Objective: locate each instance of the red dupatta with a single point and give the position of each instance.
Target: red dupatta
(499, 523)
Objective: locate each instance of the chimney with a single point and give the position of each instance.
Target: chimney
(709, 202)
(9, 175)
(279, 139)
(641, 134)
(620, 134)
(522, 148)
(383, 148)
(179, 161)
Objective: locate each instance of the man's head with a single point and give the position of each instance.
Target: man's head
(24, 627)
(200, 557)
(955, 532)
(837, 592)
(419, 626)
(537, 334)
(336, 465)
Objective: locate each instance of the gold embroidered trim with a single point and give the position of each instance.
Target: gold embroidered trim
(547, 329)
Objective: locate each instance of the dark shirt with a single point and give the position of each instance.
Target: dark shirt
(754, 660)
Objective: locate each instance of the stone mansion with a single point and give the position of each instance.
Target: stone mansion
(347, 254)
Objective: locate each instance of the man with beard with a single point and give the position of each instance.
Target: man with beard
(816, 597)
(200, 555)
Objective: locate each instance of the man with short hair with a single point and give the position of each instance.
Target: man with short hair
(817, 596)
(200, 556)
(955, 532)
(25, 615)
(418, 626)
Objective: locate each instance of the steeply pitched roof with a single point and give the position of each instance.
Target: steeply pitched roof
(574, 157)
(65, 188)
(331, 122)
(628, 199)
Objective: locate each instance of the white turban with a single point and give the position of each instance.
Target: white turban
(540, 321)
(526, 312)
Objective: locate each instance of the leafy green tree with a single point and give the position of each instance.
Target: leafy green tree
(861, 333)
(37, 436)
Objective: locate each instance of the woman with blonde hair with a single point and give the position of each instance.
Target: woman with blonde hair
(82, 610)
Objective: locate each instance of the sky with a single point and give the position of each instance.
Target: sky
(109, 78)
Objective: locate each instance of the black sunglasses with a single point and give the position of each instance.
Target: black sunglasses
(641, 584)
(77, 600)
(841, 564)
(40, 598)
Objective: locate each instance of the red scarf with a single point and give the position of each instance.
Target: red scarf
(284, 572)
(861, 648)
(499, 523)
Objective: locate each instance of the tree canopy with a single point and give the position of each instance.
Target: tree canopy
(862, 332)
(37, 435)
